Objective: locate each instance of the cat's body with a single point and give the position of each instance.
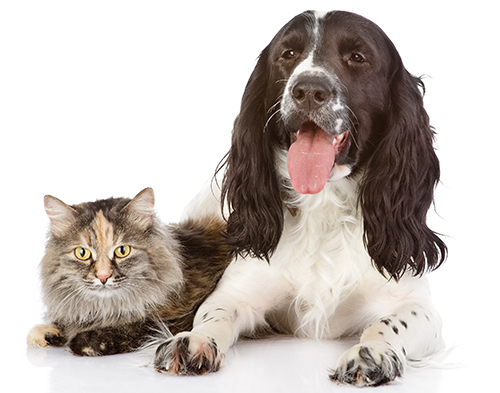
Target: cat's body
(112, 272)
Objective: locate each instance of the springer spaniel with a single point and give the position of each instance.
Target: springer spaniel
(326, 190)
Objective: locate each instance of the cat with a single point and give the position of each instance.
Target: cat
(112, 272)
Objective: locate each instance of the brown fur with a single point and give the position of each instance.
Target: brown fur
(198, 239)
(169, 272)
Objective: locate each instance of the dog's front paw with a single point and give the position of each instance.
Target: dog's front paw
(368, 365)
(188, 354)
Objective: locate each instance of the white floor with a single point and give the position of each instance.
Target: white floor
(104, 98)
(282, 364)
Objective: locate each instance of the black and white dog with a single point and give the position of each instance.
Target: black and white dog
(326, 189)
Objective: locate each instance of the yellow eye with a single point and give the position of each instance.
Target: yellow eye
(122, 251)
(82, 253)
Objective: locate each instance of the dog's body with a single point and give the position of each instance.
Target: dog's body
(330, 176)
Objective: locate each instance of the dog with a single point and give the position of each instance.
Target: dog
(325, 190)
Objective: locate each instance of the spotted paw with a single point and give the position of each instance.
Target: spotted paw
(368, 365)
(188, 354)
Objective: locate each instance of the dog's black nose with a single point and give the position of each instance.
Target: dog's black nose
(311, 91)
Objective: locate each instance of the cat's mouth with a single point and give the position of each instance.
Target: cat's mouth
(106, 292)
(104, 288)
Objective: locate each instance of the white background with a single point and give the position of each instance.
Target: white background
(103, 98)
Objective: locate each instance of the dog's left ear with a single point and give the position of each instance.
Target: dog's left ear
(398, 186)
(250, 186)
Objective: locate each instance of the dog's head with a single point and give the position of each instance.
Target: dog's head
(330, 91)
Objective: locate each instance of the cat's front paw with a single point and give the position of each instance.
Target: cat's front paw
(95, 343)
(45, 335)
(368, 365)
(188, 354)
(87, 344)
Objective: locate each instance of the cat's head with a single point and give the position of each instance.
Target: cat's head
(107, 259)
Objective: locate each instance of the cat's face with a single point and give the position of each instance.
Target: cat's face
(101, 256)
(107, 257)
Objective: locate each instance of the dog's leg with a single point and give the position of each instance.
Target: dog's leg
(247, 291)
(201, 350)
(412, 332)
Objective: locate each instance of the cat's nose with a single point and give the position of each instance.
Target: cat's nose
(103, 278)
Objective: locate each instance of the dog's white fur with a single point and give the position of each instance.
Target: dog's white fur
(319, 283)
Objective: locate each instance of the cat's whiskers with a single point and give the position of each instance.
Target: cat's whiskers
(83, 291)
(68, 301)
(170, 284)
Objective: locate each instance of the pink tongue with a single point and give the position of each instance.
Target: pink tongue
(310, 159)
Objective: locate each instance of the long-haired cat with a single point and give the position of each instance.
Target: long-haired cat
(112, 271)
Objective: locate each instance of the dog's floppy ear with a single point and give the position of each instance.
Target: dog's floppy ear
(397, 188)
(250, 186)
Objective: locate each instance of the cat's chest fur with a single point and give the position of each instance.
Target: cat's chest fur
(111, 268)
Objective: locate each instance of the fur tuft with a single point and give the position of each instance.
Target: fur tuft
(135, 277)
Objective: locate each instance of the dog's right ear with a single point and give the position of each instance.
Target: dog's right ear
(250, 186)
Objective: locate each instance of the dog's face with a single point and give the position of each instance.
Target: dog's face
(333, 74)
(330, 91)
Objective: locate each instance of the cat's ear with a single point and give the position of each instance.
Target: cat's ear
(141, 208)
(62, 217)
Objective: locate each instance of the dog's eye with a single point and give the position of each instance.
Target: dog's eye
(357, 58)
(289, 54)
